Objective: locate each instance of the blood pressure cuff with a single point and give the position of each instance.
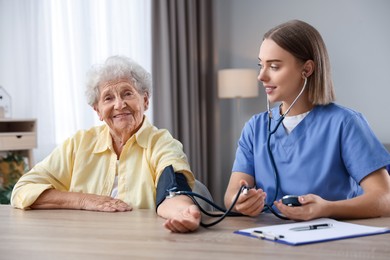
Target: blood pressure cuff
(170, 181)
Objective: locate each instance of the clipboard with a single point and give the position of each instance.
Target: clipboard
(314, 231)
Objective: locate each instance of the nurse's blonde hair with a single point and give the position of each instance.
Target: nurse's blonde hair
(305, 43)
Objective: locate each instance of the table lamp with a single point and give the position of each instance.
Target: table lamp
(237, 84)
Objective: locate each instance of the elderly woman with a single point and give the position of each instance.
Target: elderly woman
(121, 164)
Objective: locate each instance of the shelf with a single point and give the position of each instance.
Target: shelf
(18, 135)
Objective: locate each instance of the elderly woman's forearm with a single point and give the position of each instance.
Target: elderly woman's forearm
(51, 199)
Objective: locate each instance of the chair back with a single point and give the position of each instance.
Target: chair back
(202, 190)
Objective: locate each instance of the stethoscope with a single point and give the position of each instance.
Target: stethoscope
(228, 212)
(269, 151)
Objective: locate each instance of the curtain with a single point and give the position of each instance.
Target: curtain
(184, 81)
(46, 48)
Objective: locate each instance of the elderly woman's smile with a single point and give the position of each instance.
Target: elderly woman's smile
(122, 115)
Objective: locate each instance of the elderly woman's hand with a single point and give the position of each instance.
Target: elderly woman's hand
(103, 203)
(54, 199)
(187, 220)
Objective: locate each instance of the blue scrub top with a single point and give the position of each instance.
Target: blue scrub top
(328, 153)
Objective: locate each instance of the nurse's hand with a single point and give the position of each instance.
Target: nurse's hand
(250, 203)
(313, 207)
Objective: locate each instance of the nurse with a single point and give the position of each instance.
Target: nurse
(323, 152)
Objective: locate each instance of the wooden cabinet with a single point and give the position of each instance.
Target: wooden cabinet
(18, 135)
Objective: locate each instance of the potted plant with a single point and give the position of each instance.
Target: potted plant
(12, 166)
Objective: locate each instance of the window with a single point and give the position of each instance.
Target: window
(90, 31)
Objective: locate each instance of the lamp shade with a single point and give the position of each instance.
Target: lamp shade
(237, 83)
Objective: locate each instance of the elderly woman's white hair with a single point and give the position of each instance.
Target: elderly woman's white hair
(115, 68)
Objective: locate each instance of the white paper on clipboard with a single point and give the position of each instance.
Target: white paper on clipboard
(335, 230)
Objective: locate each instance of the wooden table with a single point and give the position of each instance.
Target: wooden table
(77, 234)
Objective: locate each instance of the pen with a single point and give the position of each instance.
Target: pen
(311, 227)
(265, 235)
